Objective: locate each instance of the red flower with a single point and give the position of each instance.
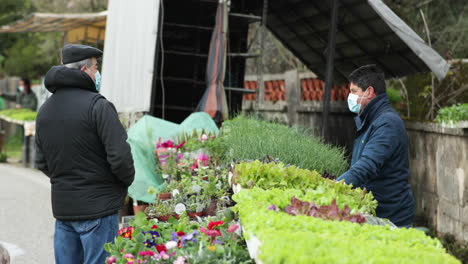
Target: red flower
(213, 224)
(180, 145)
(126, 232)
(161, 248)
(180, 233)
(154, 227)
(165, 144)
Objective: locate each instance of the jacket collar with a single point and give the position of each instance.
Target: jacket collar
(372, 110)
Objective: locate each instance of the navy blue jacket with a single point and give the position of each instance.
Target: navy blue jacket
(380, 161)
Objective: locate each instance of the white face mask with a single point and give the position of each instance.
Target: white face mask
(21, 88)
(353, 104)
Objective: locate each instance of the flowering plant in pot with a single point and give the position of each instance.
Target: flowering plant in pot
(162, 210)
(167, 154)
(196, 206)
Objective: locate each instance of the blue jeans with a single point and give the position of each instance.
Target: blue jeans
(78, 242)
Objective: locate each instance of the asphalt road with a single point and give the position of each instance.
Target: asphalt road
(26, 221)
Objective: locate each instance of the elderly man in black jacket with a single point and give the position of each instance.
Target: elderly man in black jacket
(81, 146)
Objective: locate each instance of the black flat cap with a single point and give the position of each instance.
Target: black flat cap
(76, 52)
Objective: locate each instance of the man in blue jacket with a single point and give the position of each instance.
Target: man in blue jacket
(380, 152)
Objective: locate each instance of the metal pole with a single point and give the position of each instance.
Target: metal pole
(330, 66)
(260, 65)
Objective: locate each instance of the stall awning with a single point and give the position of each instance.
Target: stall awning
(368, 33)
(79, 27)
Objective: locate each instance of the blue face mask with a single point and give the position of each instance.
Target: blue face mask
(97, 76)
(21, 88)
(353, 104)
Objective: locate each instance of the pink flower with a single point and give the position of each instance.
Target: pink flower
(111, 260)
(130, 262)
(146, 253)
(179, 260)
(203, 159)
(233, 228)
(211, 233)
(203, 138)
(128, 256)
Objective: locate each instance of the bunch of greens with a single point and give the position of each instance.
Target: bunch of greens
(249, 139)
(303, 239)
(454, 113)
(314, 187)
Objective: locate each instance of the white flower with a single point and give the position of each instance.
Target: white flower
(179, 208)
(171, 244)
(165, 176)
(196, 188)
(175, 192)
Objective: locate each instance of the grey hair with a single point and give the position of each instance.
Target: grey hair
(77, 65)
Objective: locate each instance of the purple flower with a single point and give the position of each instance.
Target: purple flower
(175, 237)
(149, 243)
(272, 207)
(154, 234)
(217, 242)
(189, 237)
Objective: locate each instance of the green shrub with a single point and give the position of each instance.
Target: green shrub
(454, 113)
(303, 239)
(250, 138)
(394, 95)
(3, 157)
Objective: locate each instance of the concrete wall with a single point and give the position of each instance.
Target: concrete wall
(439, 176)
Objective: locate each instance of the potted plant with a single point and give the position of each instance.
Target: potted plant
(195, 206)
(162, 211)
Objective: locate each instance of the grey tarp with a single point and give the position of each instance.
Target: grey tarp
(142, 138)
(432, 59)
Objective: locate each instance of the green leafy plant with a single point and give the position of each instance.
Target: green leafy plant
(394, 95)
(453, 114)
(249, 138)
(318, 189)
(303, 239)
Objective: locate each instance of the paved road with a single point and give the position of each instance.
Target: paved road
(26, 222)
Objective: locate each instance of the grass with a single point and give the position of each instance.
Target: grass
(251, 138)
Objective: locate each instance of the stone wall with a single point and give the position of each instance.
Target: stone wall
(439, 171)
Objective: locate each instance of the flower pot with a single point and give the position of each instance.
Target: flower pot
(211, 210)
(163, 218)
(194, 214)
(165, 196)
